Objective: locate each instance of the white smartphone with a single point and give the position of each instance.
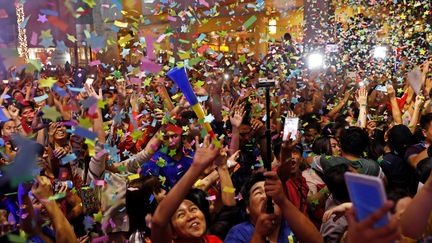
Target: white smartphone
(381, 88)
(367, 195)
(89, 81)
(291, 126)
(352, 75)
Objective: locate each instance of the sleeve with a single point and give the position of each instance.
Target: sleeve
(237, 235)
(97, 163)
(316, 164)
(133, 164)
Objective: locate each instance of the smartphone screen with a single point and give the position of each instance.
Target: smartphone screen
(90, 81)
(381, 88)
(367, 194)
(290, 126)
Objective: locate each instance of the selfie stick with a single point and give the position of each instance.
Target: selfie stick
(267, 163)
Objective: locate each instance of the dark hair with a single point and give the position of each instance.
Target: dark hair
(287, 37)
(248, 185)
(140, 202)
(335, 181)
(198, 197)
(376, 145)
(26, 104)
(322, 146)
(354, 140)
(399, 138)
(425, 121)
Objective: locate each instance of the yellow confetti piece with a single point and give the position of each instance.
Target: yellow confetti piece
(228, 189)
(133, 177)
(198, 183)
(120, 24)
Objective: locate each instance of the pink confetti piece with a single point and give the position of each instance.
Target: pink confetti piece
(150, 48)
(99, 182)
(211, 198)
(100, 239)
(34, 38)
(171, 18)
(160, 38)
(148, 65)
(203, 2)
(111, 222)
(94, 63)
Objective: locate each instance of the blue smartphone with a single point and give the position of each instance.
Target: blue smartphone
(367, 195)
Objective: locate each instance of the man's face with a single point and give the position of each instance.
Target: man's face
(258, 201)
(245, 134)
(428, 133)
(172, 140)
(310, 135)
(296, 161)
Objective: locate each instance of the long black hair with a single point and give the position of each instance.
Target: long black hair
(140, 201)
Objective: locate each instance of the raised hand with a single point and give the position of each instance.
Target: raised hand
(273, 187)
(91, 92)
(391, 91)
(237, 116)
(205, 154)
(42, 189)
(364, 231)
(362, 96)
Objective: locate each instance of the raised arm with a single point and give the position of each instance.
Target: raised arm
(42, 190)
(396, 113)
(236, 119)
(417, 112)
(362, 101)
(303, 228)
(418, 211)
(161, 230)
(332, 114)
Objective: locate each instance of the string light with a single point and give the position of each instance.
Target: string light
(22, 36)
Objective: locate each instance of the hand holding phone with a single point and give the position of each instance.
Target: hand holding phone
(367, 195)
(290, 127)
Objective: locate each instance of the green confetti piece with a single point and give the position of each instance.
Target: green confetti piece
(16, 238)
(249, 22)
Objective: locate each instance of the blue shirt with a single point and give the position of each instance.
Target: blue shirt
(162, 164)
(243, 233)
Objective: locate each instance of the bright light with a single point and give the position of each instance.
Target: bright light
(315, 61)
(272, 26)
(226, 76)
(380, 52)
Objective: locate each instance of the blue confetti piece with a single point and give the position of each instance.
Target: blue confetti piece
(200, 38)
(115, 28)
(82, 132)
(151, 198)
(3, 117)
(40, 98)
(49, 12)
(68, 158)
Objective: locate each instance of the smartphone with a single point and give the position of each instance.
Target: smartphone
(290, 126)
(352, 75)
(367, 195)
(89, 81)
(381, 88)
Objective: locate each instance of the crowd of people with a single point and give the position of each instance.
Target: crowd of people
(118, 159)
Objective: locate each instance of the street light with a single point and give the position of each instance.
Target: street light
(315, 61)
(380, 52)
(272, 26)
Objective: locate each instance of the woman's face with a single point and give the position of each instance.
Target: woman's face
(60, 133)
(188, 221)
(334, 144)
(172, 140)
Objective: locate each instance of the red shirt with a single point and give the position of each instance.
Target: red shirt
(298, 189)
